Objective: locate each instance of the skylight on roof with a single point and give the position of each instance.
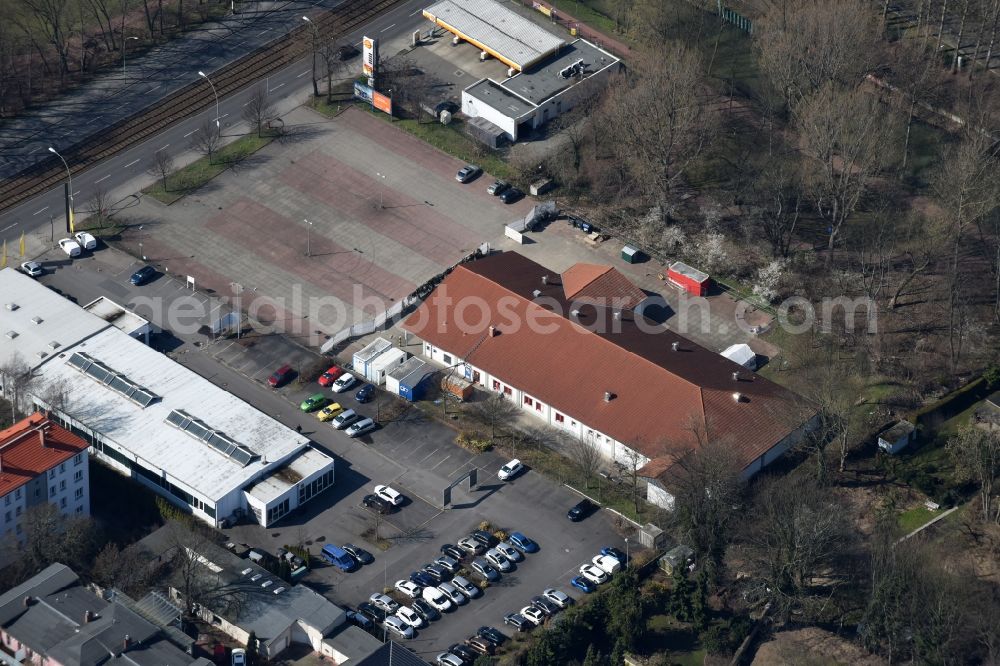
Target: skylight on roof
(120, 384)
(214, 438)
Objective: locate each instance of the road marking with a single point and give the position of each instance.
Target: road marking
(416, 12)
(190, 133)
(298, 77)
(156, 88)
(76, 193)
(131, 163)
(102, 178)
(40, 211)
(428, 455)
(222, 116)
(11, 226)
(35, 150)
(388, 28)
(247, 102)
(163, 148)
(262, 32)
(276, 87)
(439, 463)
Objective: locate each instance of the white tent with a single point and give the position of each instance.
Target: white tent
(741, 354)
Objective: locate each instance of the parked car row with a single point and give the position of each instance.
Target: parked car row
(326, 410)
(498, 188)
(600, 570)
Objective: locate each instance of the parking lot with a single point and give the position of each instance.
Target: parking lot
(414, 454)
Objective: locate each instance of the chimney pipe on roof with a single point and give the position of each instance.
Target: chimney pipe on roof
(575, 313)
(607, 396)
(617, 314)
(26, 601)
(736, 376)
(545, 279)
(674, 346)
(87, 616)
(738, 397)
(126, 642)
(493, 331)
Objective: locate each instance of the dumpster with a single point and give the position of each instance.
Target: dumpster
(631, 255)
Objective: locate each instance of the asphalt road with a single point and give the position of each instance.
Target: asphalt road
(35, 214)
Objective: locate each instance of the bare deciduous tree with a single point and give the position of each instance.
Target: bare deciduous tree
(17, 379)
(163, 167)
(846, 136)
(586, 453)
(126, 569)
(258, 109)
(207, 139)
(496, 413)
(976, 452)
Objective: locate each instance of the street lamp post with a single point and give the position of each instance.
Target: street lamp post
(69, 175)
(308, 237)
(381, 190)
(626, 553)
(140, 244)
(315, 40)
(205, 76)
(124, 49)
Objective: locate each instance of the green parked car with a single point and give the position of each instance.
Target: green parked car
(313, 402)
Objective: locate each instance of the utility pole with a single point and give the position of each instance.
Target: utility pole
(124, 49)
(315, 44)
(308, 239)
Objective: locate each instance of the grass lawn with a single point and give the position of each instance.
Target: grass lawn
(914, 518)
(450, 139)
(196, 174)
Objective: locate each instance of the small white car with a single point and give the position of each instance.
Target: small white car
(390, 495)
(70, 247)
(384, 602)
(361, 427)
(508, 551)
(595, 575)
(450, 591)
(86, 241)
(510, 470)
(437, 599)
(557, 597)
(32, 268)
(608, 564)
(465, 587)
(397, 626)
(409, 588)
(344, 382)
(410, 617)
(533, 615)
(494, 557)
(449, 659)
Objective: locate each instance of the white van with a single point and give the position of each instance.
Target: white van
(606, 563)
(436, 598)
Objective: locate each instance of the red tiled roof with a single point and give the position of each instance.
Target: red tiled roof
(601, 285)
(660, 397)
(23, 455)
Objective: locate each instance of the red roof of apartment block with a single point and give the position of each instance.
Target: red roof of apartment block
(31, 447)
(620, 374)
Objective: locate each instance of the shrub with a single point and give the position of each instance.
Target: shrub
(474, 440)
(725, 637)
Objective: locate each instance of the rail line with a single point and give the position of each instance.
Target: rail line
(191, 99)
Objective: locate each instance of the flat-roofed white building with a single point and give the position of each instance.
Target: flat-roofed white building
(151, 418)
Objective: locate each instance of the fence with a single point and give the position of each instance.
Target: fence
(370, 326)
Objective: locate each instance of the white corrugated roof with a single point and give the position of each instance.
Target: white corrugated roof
(36, 322)
(280, 480)
(145, 432)
(520, 40)
(390, 357)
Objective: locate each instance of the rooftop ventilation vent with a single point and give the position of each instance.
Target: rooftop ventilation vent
(12, 306)
(11, 334)
(37, 320)
(738, 397)
(54, 344)
(536, 293)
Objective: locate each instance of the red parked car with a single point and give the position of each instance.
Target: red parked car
(280, 377)
(330, 376)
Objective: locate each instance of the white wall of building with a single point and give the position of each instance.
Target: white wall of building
(66, 486)
(474, 108)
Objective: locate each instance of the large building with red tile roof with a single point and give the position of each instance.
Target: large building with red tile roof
(643, 394)
(40, 462)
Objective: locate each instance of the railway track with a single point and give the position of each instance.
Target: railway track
(191, 99)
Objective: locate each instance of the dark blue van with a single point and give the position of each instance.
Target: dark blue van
(338, 557)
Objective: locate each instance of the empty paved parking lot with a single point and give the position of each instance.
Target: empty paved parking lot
(329, 228)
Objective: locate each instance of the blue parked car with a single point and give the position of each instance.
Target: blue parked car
(583, 584)
(142, 276)
(423, 578)
(366, 393)
(523, 543)
(614, 552)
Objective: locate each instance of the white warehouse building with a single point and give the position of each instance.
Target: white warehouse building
(151, 418)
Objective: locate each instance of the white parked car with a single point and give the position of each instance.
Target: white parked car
(595, 575)
(533, 615)
(390, 495)
(70, 247)
(450, 591)
(361, 427)
(508, 551)
(510, 470)
(344, 382)
(609, 564)
(494, 557)
(86, 241)
(397, 626)
(557, 597)
(465, 587)
(409, 588)
(437, 599)
(384, 602)
(32, 268)
(410, 617)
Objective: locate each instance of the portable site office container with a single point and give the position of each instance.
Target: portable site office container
(394, 375)
(386, 362)
(364, 358)
(689, 279)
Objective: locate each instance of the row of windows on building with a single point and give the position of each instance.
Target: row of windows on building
(315, 487)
